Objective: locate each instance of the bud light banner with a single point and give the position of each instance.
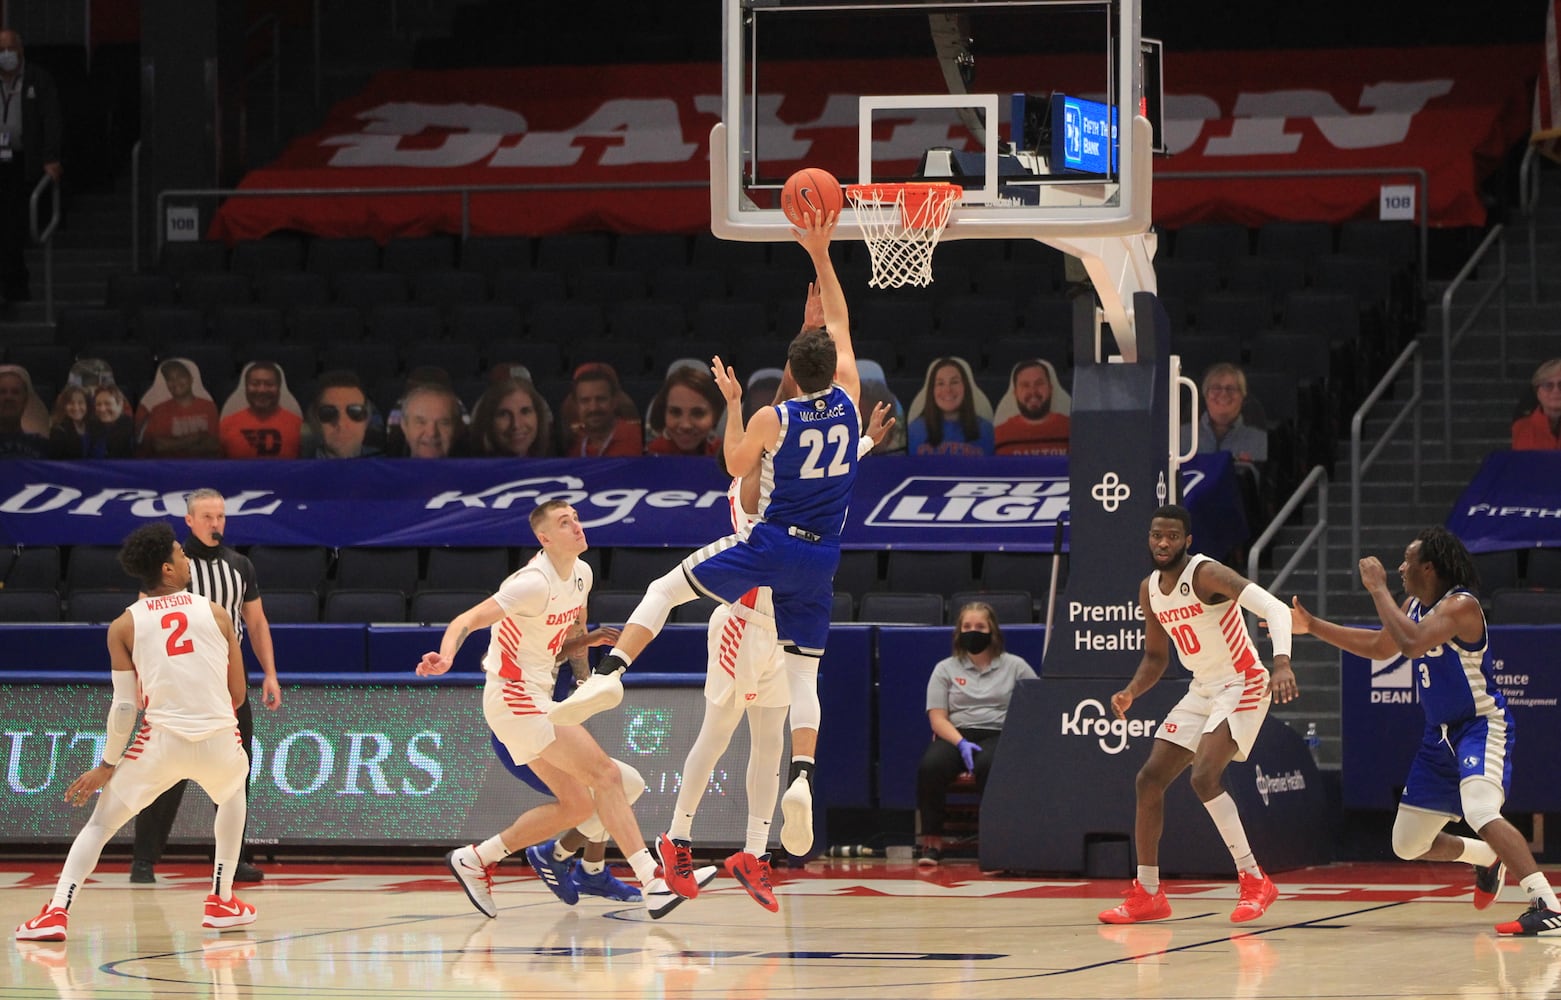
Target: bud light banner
(917, 503)
(1513, 502)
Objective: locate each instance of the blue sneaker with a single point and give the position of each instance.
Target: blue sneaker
(555, 873)
(602, 884)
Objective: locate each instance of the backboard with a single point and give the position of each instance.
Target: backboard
(1035, 107)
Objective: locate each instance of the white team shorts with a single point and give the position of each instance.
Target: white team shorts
(1243, 701)
(158, 758)
(745, 659)
(520, 723)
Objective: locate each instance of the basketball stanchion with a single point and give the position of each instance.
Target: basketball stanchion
(901, 224)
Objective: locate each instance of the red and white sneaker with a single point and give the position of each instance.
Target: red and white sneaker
(1257, 892)
(1138, 907)
(753, 874)
(49, 925)
(677, 866)
(224, 913)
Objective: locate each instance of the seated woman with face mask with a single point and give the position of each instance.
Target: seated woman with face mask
(967, 700)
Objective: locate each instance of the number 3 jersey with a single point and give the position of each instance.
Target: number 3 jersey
(539, 607)
(1211, 639)
(1455, 681)
(181, 663)
(806, 481)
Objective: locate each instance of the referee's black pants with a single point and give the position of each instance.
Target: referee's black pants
(155, 822)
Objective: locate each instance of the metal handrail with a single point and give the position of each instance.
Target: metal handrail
(1317, 477)
(135, 206)
(1422, 189)
(464, 190)
(1451, 339)
(274, 63)
(1358, 466)
(1528, 205)
(45, 237)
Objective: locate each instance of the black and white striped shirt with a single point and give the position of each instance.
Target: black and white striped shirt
(225, 576)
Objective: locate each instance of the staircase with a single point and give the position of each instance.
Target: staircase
(1484, 395)
(91, 243)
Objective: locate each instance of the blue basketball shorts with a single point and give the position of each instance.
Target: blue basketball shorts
(800, 572)
(1469, 748)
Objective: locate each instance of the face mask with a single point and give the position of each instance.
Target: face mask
(9, 61)
(974, 642)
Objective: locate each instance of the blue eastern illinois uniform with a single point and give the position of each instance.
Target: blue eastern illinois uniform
(804, 490)
(1469, 732)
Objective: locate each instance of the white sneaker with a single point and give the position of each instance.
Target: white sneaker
(475, 877)
(599, 693)
(660, 901)
(797, 817)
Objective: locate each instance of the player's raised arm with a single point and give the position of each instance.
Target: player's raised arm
(478, 616)
(743, 446)
(815, 238)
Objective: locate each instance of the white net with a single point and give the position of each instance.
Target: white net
(901, 224)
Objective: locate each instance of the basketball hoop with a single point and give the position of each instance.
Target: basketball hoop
(901, 224)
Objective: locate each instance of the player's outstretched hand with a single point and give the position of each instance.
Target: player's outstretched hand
(813, 309)
(1300, 618)
(819, 230)
(879, 424)
(432, 665)
(1121, 702)
(604, 636)
(726, 381)
(88, 785)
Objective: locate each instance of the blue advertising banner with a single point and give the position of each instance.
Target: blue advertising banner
(1513, 502)
(900, 502)
(1383, 722)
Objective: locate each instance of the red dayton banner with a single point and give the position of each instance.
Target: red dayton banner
(580, 134)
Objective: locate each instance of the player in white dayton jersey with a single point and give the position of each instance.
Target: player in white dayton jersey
(175, 655)
(1196, 603)
(538, 615)
(748, 677)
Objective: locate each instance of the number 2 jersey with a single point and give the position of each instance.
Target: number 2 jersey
(539, 607)
(1211, 639)
(181, 663)
(806, 481)
(1455, 681)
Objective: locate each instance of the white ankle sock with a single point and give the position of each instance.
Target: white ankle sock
(1149, 878)
(1538, 887)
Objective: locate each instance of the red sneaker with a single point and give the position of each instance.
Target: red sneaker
(677, 866)
(1488, 880)
(753, 874)
(49, 925)
(1138, 907)
(224, 913)
(1257, 892)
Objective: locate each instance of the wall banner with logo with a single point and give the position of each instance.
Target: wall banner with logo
(1068, 724)
(915, 503)
(1513, 502)
(1383, 722)
(581, 137)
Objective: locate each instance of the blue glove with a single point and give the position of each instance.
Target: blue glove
(967, 753)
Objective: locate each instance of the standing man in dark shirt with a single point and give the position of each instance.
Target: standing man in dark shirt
(30, 129)
(222, 575)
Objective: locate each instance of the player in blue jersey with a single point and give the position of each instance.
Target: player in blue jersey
(1463, 767)
(804, 452)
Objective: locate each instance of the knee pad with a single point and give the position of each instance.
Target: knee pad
(1482, 799)
(1414, 831)
(664, 593)
(802, 677)
(633, 783)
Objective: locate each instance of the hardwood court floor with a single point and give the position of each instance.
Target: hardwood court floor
(865, 929)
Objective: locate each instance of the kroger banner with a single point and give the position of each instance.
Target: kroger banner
(581, 137)
(923, 503)
(1514, 502)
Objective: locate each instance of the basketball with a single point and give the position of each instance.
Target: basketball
(810, 190)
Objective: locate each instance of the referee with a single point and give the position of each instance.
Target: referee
(220, 574)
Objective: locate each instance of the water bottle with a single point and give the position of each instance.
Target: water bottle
(852, 851)
(1313, 741)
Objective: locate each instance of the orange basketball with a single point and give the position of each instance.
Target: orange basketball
(810, 190)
